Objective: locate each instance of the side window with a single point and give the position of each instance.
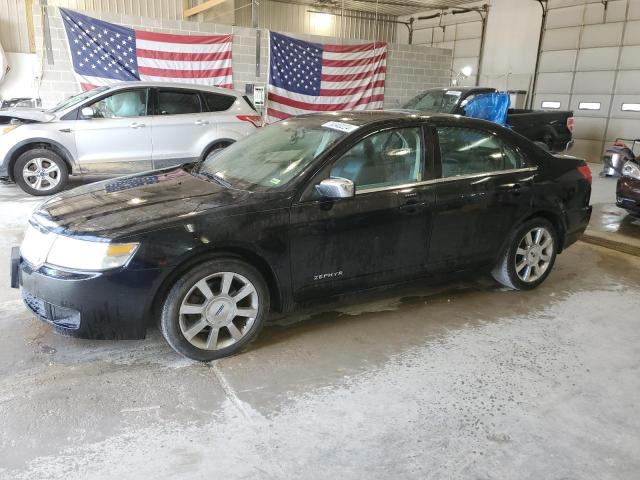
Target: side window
(392, 157)
(130, 103)
(173, 102)
(466, 151)
(218, 103)
(513, 158)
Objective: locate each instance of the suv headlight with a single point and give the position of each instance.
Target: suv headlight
(630, 169)
(67, 252)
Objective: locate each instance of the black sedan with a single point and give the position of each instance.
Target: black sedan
(310, 207)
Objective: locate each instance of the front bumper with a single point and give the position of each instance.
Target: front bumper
(628, 194)
(106, 305)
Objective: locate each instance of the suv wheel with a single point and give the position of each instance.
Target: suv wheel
(216, 149)
(529, 257)
(215, 309)
(40, 172)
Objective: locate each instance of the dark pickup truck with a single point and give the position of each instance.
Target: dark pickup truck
(551, 127)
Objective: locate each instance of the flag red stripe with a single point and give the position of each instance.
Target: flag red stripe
(320, 107)
(364, 47)
(272, 112)
(183, 56)
(168, 73)
(86, 86)
(353, 63)
(352, 76)
(340, 92)
(171, 38)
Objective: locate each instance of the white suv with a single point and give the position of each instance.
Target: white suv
(121, 129)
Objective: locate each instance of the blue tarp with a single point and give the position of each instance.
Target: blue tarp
(489, 106)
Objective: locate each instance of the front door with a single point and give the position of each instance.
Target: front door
(117, 138)
(485, 185)
(380, 235)
(179, 122)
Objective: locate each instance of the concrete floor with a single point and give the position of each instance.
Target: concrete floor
(466, 380)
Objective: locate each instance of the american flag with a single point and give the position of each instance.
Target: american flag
(103, 53)
(312, 77)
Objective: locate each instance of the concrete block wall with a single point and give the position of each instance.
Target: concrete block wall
(410, 68)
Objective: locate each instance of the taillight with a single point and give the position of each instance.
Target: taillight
(586, 173)
(570, 124)
(256, 120)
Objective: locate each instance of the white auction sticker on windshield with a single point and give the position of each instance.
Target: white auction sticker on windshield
(341, 126)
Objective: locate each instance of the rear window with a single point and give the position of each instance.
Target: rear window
(176, 103)
(217, 102)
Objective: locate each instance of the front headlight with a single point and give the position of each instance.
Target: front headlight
(67, 252)
(630, 169)
(8, 128)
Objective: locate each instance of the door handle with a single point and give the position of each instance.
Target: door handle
(412, 206)
(65, 130)
(202, 122)
(136, 125)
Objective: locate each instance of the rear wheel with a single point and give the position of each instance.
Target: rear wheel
(215, 310)
(40, 172)
(529, 257)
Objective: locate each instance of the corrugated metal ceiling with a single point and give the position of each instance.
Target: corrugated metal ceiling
(385, 7)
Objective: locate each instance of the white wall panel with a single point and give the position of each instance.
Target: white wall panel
(589, 128)
(628, 82)
(561, 39)
(622, 128)
(565, 17)
(606, 35)
(632, 34)
(557, 61)
(554, 82)
(630, 57)
(616, 109)
(605, 58)
(593, 82)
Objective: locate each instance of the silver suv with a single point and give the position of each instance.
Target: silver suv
(121, 129)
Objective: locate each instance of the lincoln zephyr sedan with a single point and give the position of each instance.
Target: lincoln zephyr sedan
(311, 207)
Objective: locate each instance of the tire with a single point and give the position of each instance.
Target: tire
(190, 315)
(217, 148)
(50, 172)
(518, 257)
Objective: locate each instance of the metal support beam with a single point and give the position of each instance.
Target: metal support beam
(543, 26)
(203, 7)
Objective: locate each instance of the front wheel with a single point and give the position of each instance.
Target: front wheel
(40, 172)
(529, 256)
(215, 309)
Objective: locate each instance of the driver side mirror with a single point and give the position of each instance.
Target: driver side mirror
(336, 187)
(88, 112)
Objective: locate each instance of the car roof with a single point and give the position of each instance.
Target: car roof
(464, 90)
(371, 117)
(192, 86)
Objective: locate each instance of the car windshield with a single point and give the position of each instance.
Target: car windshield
(273, 156)
(440, 101)
(76, 99)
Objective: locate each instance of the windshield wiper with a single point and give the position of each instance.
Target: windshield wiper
(216, 178)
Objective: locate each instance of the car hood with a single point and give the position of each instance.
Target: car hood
(25, 114)
(134, 204)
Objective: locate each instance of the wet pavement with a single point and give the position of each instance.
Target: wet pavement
(610, 226)
(462, 380)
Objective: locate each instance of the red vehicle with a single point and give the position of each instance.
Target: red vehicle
(628, 188)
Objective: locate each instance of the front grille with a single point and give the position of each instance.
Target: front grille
(60, 316)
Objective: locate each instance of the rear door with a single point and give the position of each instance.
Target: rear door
(180, 121)
(117, 139)
(378, 236)
(485, 186)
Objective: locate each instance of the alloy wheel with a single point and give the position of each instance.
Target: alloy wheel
(218, 311)
(41, 174)
(534, 254)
